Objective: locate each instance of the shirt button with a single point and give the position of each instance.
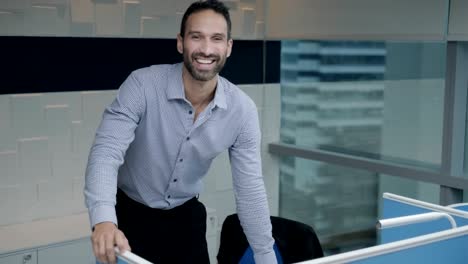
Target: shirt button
(175, 180)
(190, 112)
(168, 197)
(181, 160)
(188, 138)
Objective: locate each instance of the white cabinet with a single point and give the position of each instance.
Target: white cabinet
(76, 252)
(71, 252)
(27, 257)
(49, 241)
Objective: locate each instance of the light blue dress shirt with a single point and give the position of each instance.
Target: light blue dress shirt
(150, 147)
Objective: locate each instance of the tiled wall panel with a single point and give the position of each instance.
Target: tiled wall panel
(82, 11)
(19, 201)
(72, 100)
(26, 113)
(132, 14)
(6, 140)
(8, 194)
(108, 18)
(8, 165)
(93, 105)
(34, 159)
(12, 22)
(16, 5)
(44, 20)
(58, 127)
(43, 151)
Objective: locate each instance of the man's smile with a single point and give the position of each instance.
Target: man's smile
(204, 61)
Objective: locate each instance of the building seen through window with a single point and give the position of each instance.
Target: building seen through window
(361, 98)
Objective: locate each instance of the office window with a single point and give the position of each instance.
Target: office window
(342, 204)
(422, 191)
(381, 100)
(338, 202)
(465, 161)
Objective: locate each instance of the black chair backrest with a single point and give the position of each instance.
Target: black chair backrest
(295, 241)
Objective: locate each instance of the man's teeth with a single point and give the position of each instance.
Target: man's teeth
(204, 61)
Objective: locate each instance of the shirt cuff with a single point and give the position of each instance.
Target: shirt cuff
(268, 258)
(102, 213)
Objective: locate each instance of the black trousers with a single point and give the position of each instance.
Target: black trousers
(170, 236)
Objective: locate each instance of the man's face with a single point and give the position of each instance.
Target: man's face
(205, 45)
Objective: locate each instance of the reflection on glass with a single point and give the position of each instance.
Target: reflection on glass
(465, 162)
(373, 99)
(427, 192)
(342, 204)
(380, 100)
(338, 202)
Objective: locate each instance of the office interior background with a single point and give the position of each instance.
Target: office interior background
(355, 98)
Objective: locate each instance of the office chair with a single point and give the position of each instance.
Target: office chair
(294, 242)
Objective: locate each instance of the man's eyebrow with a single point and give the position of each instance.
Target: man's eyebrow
(199, 32)
(219, 35)
(193, 32)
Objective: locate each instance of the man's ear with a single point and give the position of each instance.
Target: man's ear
(229, 50)
(180, 44)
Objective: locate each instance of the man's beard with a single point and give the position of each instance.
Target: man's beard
(203, 75)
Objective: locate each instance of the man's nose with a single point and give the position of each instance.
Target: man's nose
(206, 48)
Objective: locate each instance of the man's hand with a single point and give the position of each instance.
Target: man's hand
(104, 238)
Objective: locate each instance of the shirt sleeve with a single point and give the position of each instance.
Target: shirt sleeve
(113, 136)
(249, 189)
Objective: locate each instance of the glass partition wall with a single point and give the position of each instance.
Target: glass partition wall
(367, 99)
(374, 99)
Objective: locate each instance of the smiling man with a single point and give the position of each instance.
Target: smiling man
(156, 142)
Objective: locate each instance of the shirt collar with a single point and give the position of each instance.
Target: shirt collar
(220, 96)
(175, 89)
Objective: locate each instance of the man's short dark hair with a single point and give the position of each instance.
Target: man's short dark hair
(215, 5)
